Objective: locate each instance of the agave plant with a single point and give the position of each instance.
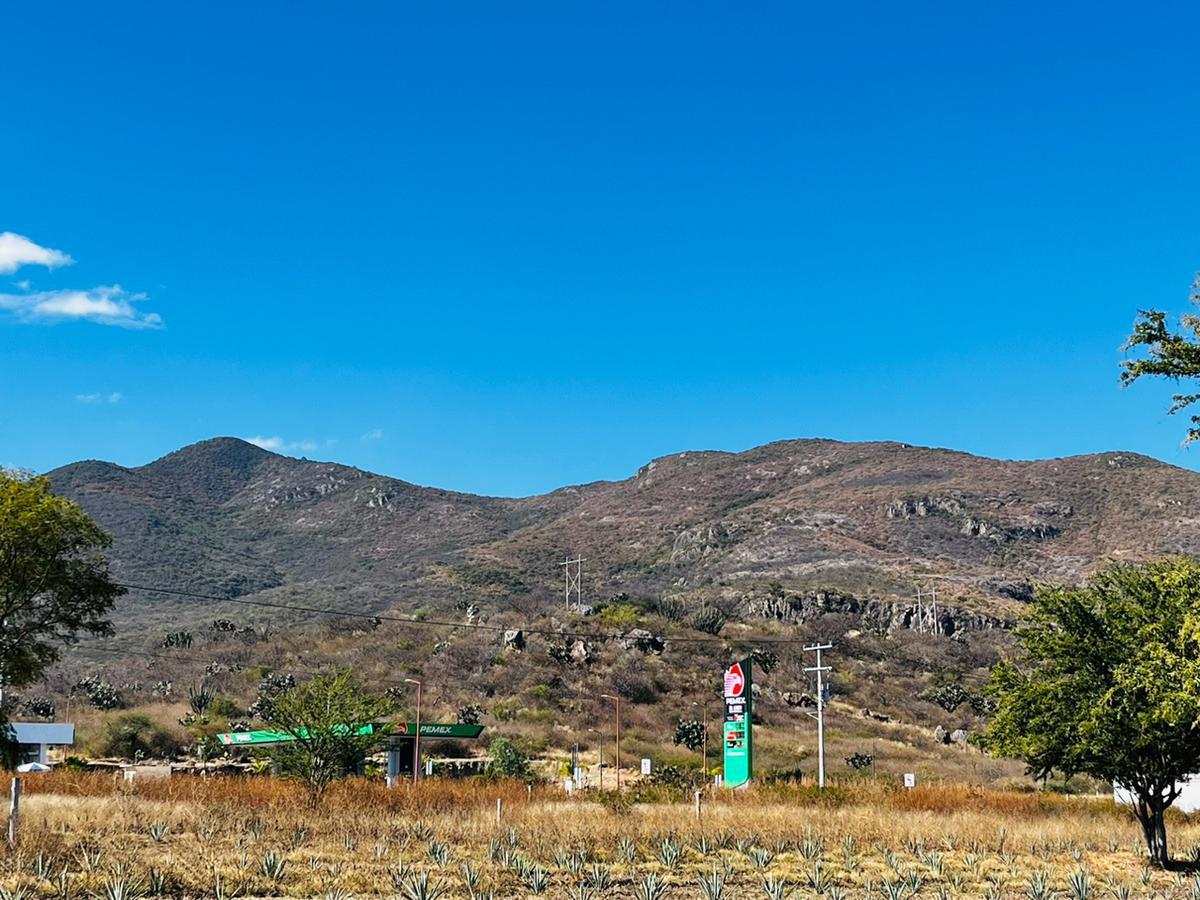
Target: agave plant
(121, 888)
(1080, 884)
(775, 888)
(650, 888)
(626, 850)
(273, 865)
(669, 852)
(158, 831)
(439, 852)
(421, 887)
(600, 877)
(762, 857)
(537, 880)
(712, 885)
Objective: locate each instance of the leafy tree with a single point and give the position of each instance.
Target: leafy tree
(54, 583)
(1173, 354)
(1108, 685)
(508, 760)
(323, 716)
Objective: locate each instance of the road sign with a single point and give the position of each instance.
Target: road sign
(645, 767)
(738, 740)
(910, 780)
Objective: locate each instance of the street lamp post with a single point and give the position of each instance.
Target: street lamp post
(616, 700)
(417, 736)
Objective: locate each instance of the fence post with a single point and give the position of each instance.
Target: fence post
(14, 811)
(699, 794)
(499, 808)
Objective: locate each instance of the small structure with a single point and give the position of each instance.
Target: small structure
(36, 740)
(1188, 800)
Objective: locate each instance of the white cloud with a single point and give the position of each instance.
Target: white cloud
(113, 397)
(375, 434)
(105, 305)
(277, 444)
(17, 251)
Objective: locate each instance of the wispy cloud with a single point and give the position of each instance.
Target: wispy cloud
(277, 444)
(375, 434)
(112, 397)
(17, 250)
(104, 305)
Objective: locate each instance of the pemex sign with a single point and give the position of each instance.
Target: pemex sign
(736, 731)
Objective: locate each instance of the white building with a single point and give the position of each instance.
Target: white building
(1188, 800)
(36, 739)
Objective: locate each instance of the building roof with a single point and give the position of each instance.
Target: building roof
(44, 732)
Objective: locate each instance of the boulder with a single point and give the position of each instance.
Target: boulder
(958, 736)
(514, 639)
(643, 641)
(581, 652)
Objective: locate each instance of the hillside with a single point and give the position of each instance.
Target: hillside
(878, 520)
(790, 541)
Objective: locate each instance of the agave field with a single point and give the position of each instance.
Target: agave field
(86, 835)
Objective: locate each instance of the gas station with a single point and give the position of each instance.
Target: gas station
(401, 740)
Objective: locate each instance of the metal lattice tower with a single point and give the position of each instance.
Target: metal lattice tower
(572, 580)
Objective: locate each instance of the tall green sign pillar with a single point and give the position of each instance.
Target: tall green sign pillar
(737, 729)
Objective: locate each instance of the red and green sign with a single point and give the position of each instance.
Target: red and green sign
(737, 737)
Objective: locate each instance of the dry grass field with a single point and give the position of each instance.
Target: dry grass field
(91, 835)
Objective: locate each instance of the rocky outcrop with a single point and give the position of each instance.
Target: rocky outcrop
(514, 639)
(879, 615)
(1021, 528)
(581, 652)
(696, 543)
(643, 641)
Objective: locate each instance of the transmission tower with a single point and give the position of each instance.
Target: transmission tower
(572, 580)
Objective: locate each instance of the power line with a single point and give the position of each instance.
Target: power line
(442, 623)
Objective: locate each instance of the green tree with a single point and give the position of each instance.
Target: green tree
(54, 582)
(508, 760)
(1107, 684)
(1173, 354)
(324, 717)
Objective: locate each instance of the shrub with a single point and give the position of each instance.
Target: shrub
(136, 736)
(690, 733)
(470, 714)
(507, 760)
(634, 687)
(621, 615)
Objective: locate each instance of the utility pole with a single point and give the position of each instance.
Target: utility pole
(937, 628)
(920, 614)
(572, 580)
(820, 714)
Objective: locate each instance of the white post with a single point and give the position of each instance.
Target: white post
(820, 716)
(698, 795)
(14, 812)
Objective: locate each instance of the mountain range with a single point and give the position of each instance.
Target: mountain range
(224, 518)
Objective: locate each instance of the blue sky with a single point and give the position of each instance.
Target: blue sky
(502, 248)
